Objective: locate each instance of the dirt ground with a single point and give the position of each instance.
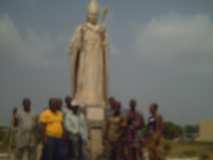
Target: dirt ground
(191, 149)
(177, 150)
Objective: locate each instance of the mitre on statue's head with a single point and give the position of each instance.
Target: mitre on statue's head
(93, 7)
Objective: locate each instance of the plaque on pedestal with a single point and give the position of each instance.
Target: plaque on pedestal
(95, 116)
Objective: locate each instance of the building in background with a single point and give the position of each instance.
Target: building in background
(205, 133)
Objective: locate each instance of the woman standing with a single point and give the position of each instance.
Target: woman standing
(114, 132)
(155, 127)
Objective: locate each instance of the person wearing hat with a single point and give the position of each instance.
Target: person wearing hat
(88, 54)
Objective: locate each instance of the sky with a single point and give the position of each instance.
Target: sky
(160, 51)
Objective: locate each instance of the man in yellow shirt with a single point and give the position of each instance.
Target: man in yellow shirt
(51, 120)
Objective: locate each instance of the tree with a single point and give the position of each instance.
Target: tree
(172, 130)
(190, 131)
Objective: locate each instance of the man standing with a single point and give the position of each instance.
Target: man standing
(13, 131)
(51, 120)
(66, 109)
(25, 122)
(75, 125)
(135, 124)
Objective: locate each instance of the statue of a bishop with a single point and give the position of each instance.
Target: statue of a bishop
(88, 54)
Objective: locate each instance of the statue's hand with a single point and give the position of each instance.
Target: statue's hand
(106, 10)
(102, 31)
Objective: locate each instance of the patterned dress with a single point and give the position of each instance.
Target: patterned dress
(155, 126)
(134, 125)
(114, 133)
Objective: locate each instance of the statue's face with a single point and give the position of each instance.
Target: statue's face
(93, 18)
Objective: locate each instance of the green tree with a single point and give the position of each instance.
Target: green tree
(172, 130)
(190, 131)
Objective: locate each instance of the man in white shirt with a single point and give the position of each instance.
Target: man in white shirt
(76, 127)
(25, 123)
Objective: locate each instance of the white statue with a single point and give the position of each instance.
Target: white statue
(88, 54)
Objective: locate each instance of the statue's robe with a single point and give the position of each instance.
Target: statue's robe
(88, 53)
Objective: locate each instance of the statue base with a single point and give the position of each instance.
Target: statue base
(96, 119)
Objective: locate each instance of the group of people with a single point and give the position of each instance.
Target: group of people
(60, 132)
(128, 134)
(57, 133)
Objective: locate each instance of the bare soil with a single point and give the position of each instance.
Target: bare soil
(191, 149)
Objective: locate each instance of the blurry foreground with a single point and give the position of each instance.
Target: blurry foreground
(177, 151)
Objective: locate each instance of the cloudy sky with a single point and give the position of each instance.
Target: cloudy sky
(161, 51)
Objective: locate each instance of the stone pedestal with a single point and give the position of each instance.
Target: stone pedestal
(96, 119)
